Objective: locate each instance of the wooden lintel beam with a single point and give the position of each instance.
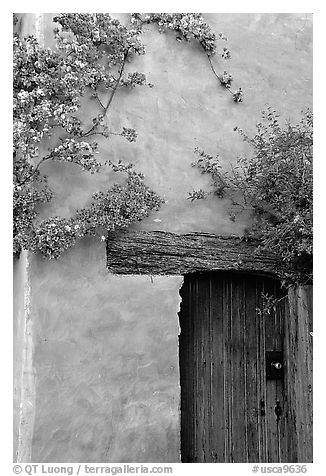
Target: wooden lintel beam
(163, 253)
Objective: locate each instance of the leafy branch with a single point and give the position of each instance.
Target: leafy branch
(275, 185)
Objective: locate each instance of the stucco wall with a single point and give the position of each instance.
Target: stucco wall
(105, 348)
(106, 359)
(272, 62)
(19, 292)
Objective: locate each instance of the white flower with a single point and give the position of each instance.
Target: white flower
(102, 238)
(68, 228)
(76, 227)
(23, 96)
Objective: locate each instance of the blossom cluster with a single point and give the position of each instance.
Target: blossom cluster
(49, 84)
(78, 152)
(135, 79)
(188, 25)
(129, 134)
(116, 208)
(226, 79)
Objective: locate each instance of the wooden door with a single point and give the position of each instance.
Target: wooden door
(232, 410)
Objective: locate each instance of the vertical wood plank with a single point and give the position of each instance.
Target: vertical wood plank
(237, 372)
(187, 372)
(288, 369)
(218, 369)
(227, 316)
(252, 383)
(273, 342)
(299, 374)
(204, 364)
(284, 427)
(261, 370)
(183, 357)
(212, 456)
(197, 452)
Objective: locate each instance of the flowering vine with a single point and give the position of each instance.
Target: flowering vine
(192, 26)
(92, 51)
(90, 58)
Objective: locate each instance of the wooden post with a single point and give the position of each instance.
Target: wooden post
(298, 355)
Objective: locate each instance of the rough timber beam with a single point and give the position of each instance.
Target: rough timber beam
(158, 252)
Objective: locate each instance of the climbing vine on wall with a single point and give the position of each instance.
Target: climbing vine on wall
(275, 185)
(191, 26)
(92, 51)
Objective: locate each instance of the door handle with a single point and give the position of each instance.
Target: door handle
(274, 365)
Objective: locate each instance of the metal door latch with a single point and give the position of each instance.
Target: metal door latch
(278, 410)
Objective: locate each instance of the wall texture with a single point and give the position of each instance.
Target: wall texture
(106, 360)
(104, 349)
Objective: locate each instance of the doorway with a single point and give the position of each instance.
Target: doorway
(231, 346)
